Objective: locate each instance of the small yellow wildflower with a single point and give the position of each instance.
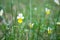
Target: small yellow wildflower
(49, 30)
(31, 25)
(20, 18)
(47, 11)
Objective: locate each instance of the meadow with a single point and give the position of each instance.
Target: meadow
(29, 20)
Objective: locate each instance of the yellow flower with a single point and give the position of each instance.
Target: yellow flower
(49, 30)
(31, 25)
(47, 11)
(20, 18)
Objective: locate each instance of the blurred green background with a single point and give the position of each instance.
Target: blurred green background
(33, 12)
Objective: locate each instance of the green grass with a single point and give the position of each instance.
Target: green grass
(17, 31)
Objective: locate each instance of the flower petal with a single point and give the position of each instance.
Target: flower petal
(18, 17)
(20, 20)
(22, 17)
(20, 14)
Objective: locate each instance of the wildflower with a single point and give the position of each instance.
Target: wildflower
(47, 11)
(1, 12)
(20, 18)
(56, 1)
(49, 30)
(58, 23)
(31, 25)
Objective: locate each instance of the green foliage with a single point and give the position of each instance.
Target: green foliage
(39, 31)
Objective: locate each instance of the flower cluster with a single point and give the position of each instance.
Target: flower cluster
(20, 18)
